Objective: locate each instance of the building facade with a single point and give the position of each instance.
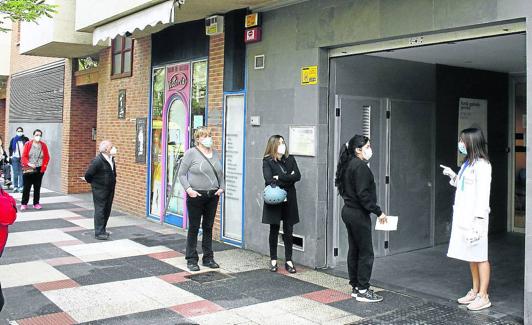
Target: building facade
(402, 72)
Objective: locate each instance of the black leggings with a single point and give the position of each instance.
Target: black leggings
(288, 231)
(1, 298)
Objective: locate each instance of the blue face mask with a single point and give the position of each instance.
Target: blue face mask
(462, 148)
(207, 142)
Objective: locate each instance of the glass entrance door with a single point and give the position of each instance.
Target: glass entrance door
(520, 156)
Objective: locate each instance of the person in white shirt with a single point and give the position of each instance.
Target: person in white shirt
(469, 234)
(101, 174)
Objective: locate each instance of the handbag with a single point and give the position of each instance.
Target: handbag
(273, 194)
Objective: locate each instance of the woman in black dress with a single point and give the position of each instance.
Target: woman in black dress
(280, 168)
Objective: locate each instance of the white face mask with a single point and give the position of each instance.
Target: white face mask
(281, 149)
(207, 142)
(37, 138)
(113, 151)
(20, 134)
(367, 153)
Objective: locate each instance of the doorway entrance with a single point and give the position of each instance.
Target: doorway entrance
(412, 102)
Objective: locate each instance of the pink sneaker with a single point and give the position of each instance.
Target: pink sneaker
(37, 206)
(23, 207)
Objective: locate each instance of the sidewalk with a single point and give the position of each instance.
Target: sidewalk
(53, 271)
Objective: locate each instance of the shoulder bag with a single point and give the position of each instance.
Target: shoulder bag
(210, 164)
(27, 170)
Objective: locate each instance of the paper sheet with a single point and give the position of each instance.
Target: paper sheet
(391, 225)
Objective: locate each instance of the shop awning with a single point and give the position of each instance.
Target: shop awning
(141, 23)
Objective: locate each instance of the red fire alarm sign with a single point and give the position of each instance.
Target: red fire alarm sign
(252, 35)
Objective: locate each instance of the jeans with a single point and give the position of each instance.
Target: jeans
(288, 240)
(360, 254)
(30, 179)
(197, 207)
(17, 178)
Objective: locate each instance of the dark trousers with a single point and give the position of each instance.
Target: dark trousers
(35, 180)
(103, 202)
(360, 255)
(204, 205)
(288, 239)
(1, 298)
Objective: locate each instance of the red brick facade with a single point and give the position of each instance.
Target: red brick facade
(131, 176)
(79, 117)
(215, 96)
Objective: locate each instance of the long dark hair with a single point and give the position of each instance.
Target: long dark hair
(475, 144)
(272, 145)
(347, 152)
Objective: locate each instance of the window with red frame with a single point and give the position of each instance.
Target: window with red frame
(122, 56)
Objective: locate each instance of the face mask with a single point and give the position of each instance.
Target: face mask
(367, 153)
(281, 149)
(462, 148)
(20, 134)
(207, 142)
(113, 151)
(37, 138)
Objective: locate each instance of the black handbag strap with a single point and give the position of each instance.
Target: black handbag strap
(210, 164)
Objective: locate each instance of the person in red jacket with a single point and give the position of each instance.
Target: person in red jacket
(35, 158)
(8, 214)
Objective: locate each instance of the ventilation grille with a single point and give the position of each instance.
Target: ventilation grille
(37, 96)
(366, 121)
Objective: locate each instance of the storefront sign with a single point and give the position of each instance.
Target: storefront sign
(140, 140)
(122, 104)
(252, 20)
(302, 141)
(252, 35)
(309, 75)
(234, 167)
(472, 113)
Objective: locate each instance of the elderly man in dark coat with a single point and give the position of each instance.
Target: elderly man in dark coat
(101, 174)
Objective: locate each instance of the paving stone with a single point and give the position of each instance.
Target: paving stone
(89, 213)
(152, 317)
(26, 302)
(39, 224)
(53, 206)
(116, 270)
(208, 277)
(28, 253)
(117, 233)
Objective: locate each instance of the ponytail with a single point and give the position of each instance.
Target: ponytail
(347, 152)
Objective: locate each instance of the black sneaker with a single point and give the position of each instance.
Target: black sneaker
(354, 294)
(368, 296)
(193, 267)
(212, 264)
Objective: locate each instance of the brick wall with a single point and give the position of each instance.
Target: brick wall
(131, 177)
(215, 100)
(3, 120)
(79, 117)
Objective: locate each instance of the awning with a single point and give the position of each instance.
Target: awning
(141, 23)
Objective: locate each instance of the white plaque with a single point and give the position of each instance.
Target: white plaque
(472, 113)
(302, 140)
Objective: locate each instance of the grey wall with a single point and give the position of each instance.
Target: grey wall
(52, 136)
(296, 36)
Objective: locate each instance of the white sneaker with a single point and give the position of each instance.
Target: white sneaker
(468, 298)
(480, 303)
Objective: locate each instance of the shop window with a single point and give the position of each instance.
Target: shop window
(122, 61)
(156, 199)
(199, 96)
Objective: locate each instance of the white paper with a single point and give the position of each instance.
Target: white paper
(391, 225)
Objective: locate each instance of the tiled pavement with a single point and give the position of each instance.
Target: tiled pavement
(54, 272)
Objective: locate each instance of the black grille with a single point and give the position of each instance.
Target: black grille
(37, 96)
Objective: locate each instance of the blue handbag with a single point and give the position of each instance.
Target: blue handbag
(273, 194)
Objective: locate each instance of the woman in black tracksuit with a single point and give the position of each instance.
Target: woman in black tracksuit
(280, 168)
(357, 187)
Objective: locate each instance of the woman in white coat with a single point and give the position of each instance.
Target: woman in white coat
(469, 234)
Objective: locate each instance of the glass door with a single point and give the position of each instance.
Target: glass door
(520, 156)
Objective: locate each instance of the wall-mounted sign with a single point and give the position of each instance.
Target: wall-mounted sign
(140, 140)
(252, 20)
(309, 75)
(302, 140)
(252, 35)
(122, 104)
(472, 113)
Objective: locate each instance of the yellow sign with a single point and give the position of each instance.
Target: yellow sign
(252, 20)
(309, 75)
